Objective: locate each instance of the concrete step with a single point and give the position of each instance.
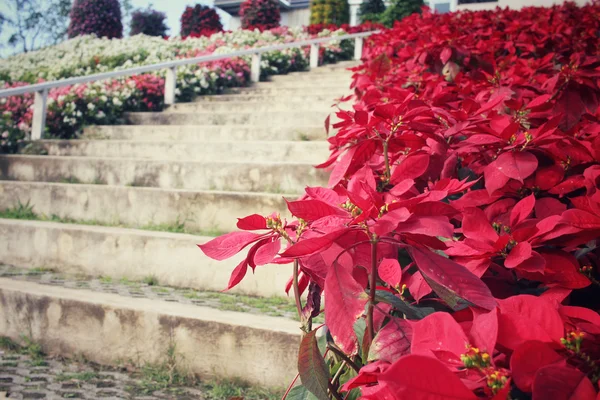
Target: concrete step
(284, 92)
(327, 98)
(284, 177)
(108, 328)
(198, 211)
(289, 118)
(255, 151)
(172, 258)
(249, 106)
(206, 133)
(331, 68)
(304, 85)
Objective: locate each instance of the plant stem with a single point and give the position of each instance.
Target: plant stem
(290, 387)
(297, 292)
(339, 373)
(372, 288)
(334, 392)
(344, 357)
(387, 175)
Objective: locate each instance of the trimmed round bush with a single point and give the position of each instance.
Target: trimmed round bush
(329, 12)
(200, 20)
(99, 17)
(260, 14)
(148, 22)
(400, 9)
(371, 10)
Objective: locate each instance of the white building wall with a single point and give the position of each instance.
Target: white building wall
(295, 18)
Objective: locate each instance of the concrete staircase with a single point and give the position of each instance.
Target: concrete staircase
(105, 205)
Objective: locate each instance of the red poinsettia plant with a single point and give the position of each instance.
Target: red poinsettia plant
(456, 244)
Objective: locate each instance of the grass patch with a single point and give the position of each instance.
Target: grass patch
(20, 211)
(151, 280)
(167, 375)
(39, 271)
(26, 212)
(175, 227)
(105, 279)
(225, 390)
(70, 179)
(7, 343)
(81, 376)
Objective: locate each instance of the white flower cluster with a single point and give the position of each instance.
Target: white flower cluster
(104, 102)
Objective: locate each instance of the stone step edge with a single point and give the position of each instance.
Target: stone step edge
(229, 126)
(151, 288)
(146, 160)
(92, 250)
(188, 142)
(291, 196)
(228, 344)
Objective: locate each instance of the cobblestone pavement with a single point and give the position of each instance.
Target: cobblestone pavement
(24, 376)
(275, 306)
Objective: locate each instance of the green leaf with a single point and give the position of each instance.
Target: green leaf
(300, 393)
(311, 366)
(411, 312)
(360, 326)
(346, 376)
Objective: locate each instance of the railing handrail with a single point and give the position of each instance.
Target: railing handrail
(40, 87)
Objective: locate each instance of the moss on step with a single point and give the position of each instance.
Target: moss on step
(25, 211)
(151, 288)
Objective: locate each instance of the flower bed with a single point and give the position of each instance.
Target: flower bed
(457, 243)
(71, 108)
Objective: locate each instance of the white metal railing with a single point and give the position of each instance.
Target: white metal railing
(41, 89)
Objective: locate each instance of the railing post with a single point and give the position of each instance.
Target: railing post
(38, 124)
(358, 48)
(255, 68)
(170, 85)
(314, 55)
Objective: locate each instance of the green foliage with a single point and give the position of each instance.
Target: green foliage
(31, 24)
(398, 10)
(151, 280)
(329, 12)
(371, 10)
(20, 211)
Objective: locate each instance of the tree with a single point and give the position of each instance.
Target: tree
(148, 22)
(371, 10)
(200, 20)
(99, 17)
(261, 14)
(36, 23)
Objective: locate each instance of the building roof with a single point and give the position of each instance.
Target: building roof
(233, 6)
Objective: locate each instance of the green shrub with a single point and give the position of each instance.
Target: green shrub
(329, 12)
(371, 10)
(398, 10)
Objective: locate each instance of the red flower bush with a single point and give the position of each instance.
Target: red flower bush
(200, 21)
(99, 17)
(260, 14)
(457, 241)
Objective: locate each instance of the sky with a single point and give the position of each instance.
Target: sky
(173, 9)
